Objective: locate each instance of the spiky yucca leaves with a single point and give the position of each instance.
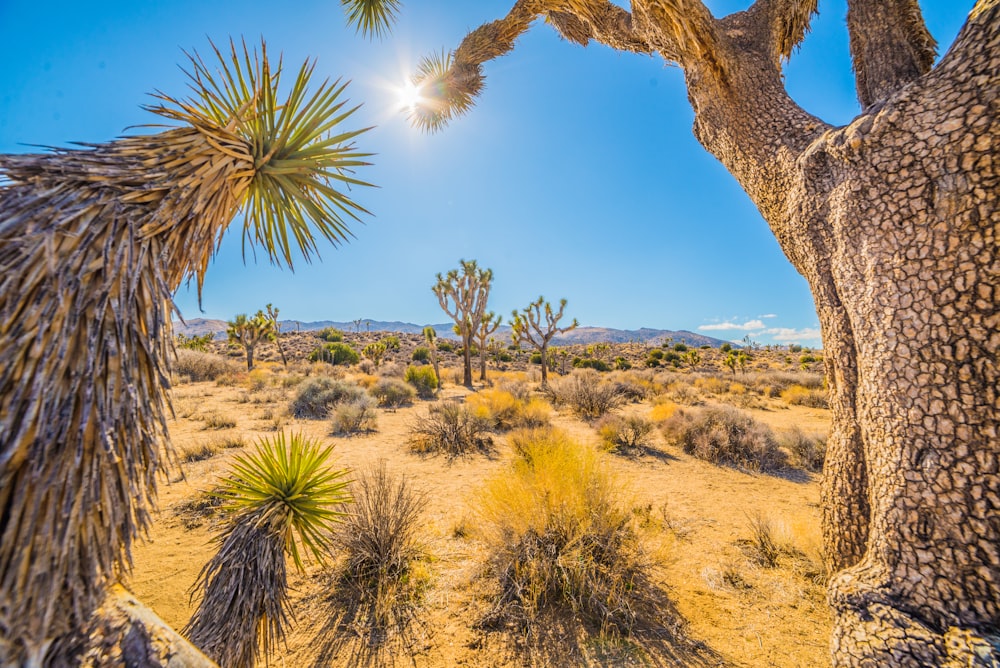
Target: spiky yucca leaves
(445, 90)
(93, 242)
(372, 18)
(279, 496)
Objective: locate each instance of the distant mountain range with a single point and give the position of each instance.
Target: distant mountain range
(580, 335)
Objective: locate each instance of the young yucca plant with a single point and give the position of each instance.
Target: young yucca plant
(278, 497)
(93, 243)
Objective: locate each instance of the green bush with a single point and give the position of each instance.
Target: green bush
(536, 358)
(724, 435)
(590, 363)
(680, 347)
(421, 354)
(317, 396)
(335, 353)
(446, 346)
(725, 347)
(392, 392)
(422, 379)
(199, 343)
(622, 364)
(331, 334)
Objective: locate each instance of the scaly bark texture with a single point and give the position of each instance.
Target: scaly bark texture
(893, 221)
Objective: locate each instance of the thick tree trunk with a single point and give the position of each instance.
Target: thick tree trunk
(545, 364)
(894, 222)
(467, 366)
(249, 358)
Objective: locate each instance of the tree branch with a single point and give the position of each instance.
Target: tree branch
(890, 46)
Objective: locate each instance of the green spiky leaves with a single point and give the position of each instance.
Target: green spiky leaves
(372, 18)
(301, 161)
(446, 90)
(286, 485)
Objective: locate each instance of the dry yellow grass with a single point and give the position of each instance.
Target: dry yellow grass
(695, 515)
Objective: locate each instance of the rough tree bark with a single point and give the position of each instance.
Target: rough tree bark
(893, 221)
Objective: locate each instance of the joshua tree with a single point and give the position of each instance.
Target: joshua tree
(489, 324)
(527, 328)
(375, 351)
(278, 496)
(93, 243)
(272, 315)
(249, 332)
(463, 297)
(892, 220)
(431, 337)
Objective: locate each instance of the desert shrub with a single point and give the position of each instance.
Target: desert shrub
(590, 363)
(367, 367)
(724, 435)
(392, 392)
(725, 347)
(535, 358)
(334, 353)
(446, 346)
(331, 335)
(761, 548)
(355, 416)
(198, 452)
(199, 366)
(796, 395)
(379, 542)
(808, 450)
(515, 386)
(622, 364)
(536, 412)
(630, 391)
(558, 535)
(501, 409)
(421, 354)
(680, 347)
(527, 439)
(317, 396)
(583, 392)
(392, 370)
(217, 421)
(624, 433)
(451, 429)
(662, 410)
(711, 384)
(422, 379)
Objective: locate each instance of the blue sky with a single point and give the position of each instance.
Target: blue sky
(576, 175)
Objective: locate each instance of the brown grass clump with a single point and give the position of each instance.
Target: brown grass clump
(505, 411)
(355, 417)
(198, 366)
(724, 435)
(558, 535)
(382, 576)
(392, 393)
(808, 450)
(623, 434)
(451, 429)
(586, 394)
(217, 421)
(797, 395)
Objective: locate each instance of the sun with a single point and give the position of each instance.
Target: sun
(409, 96)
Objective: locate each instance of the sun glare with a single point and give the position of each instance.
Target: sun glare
(409, 95)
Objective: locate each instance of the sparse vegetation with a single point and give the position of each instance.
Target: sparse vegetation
(200, 366)
(317, 396)
(558, 535)
(335, 353)
(423, 379)
(355, 416)
(392, 392)
(379, 540)
(585, 393)
(451, 429)
(625, 434)
(808, 450)
(724, 435)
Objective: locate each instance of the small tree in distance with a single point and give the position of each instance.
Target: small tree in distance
(249, 332)
(463, 297)
(431, 337)
(272, 315)
(489, 324)
(527, 327)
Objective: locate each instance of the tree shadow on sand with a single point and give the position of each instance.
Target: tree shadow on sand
(560, 639)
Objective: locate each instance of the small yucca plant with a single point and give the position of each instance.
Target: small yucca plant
(279, 497)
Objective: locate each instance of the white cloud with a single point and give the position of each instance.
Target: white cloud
(722, 326)
(768, 315)
(792, 335)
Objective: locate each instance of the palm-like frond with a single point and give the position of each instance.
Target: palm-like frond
(372, 18)
(278, 495)
(287, 482)
(446, 90)
(300, 163)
